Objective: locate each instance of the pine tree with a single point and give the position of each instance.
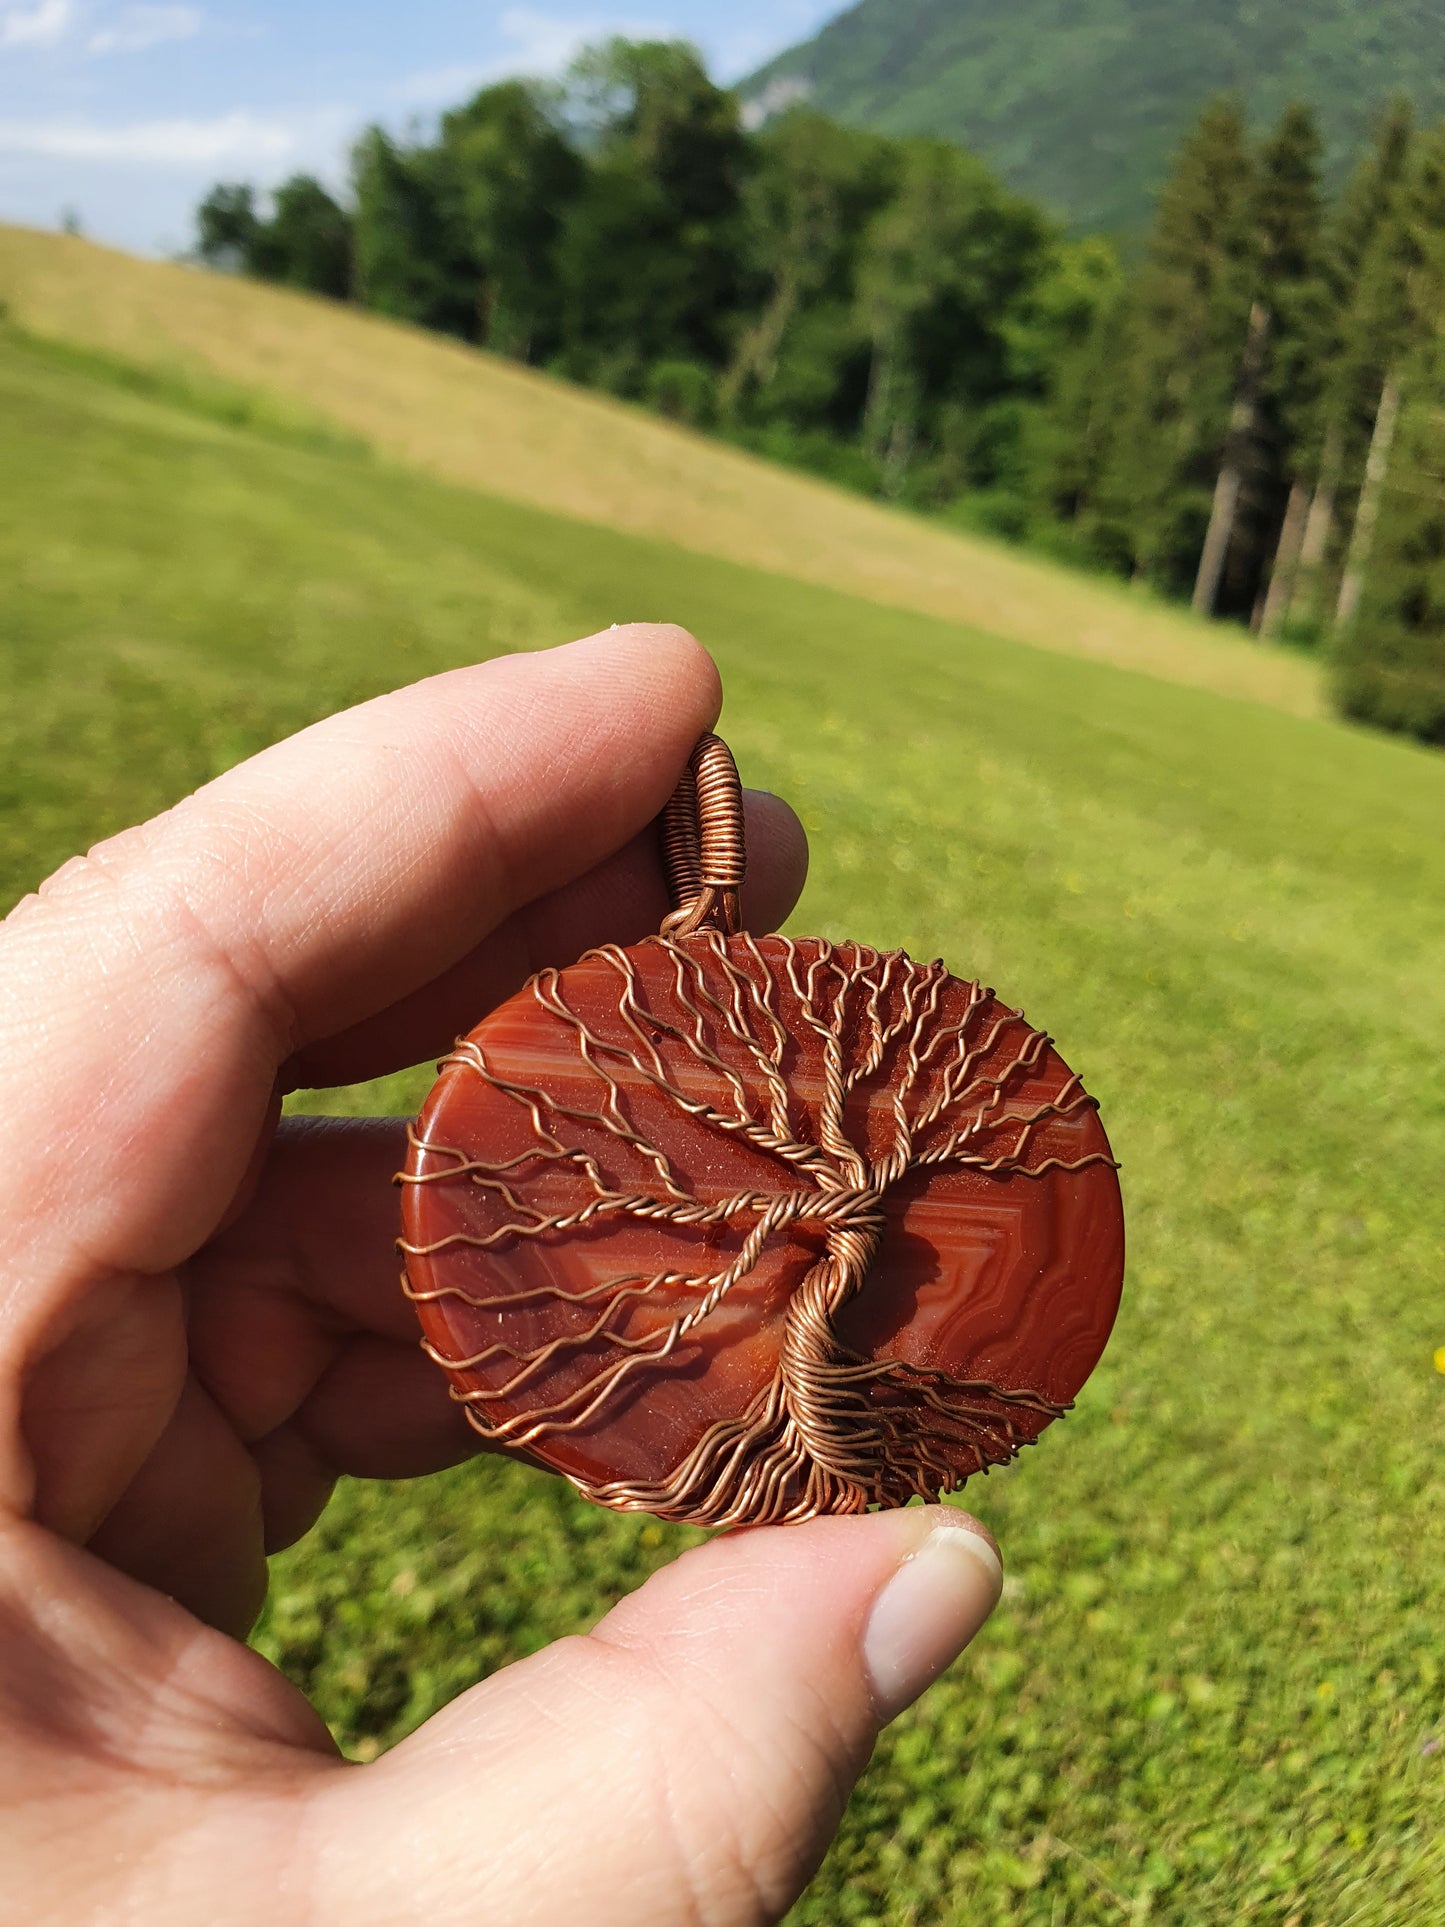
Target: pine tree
(1367, 511)
(1389, 663)
(1390, 654)
(1186, 331)
(1388, 324)
(1239, 451)
(1283, 396)
(1335, 445)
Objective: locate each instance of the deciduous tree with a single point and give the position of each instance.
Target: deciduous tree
(307, 243)
(412, 259)
(514, 177)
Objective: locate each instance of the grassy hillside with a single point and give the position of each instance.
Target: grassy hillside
(1080, 106)
(1213, 1689)
(496, 426)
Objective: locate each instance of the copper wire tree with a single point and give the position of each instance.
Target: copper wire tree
(680, 1272)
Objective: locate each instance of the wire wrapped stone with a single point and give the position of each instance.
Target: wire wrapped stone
(739, 1230)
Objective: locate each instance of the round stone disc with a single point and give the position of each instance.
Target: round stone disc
(744, 1229)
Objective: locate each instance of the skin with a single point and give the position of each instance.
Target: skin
(200, 1329)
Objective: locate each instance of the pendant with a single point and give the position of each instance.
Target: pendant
(737, 1230)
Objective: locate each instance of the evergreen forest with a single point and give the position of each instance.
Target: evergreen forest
(1250, 416)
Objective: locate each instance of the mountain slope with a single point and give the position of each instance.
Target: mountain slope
(1079, 102)
(493, 425)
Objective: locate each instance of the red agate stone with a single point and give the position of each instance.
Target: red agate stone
(737, 1229)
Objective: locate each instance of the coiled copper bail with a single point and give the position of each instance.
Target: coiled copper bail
(704, 852)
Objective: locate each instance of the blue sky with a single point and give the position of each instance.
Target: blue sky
(126, 110)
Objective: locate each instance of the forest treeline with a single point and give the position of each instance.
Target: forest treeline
(1251, 416)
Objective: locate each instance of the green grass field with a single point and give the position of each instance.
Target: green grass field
(1212, 1691)
(487, 423)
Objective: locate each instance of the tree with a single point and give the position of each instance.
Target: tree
(1389, 662)
(1238, 450)
(307, 241)
(1396, 311)
(885, 312)
(412, 259)
(649, 256)
(1031, 456)
(1079, 457)
(1183, 340)
(1347, 354)
(227, 225)
(943, 267)
(1296, 279)
(1390, 651)
(1276, 381)
(514, 175)
(812, 191)
(1377, 469)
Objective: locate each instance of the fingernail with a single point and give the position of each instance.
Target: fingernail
(928, 1612)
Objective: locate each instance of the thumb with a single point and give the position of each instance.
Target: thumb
(688, 1761)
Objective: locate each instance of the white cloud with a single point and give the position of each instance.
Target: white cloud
(544, 45)
(443, 86)
(236, 139)
(139, 27)
(537, 44)
(41, 25)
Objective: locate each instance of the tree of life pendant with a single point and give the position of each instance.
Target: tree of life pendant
(737, 1230)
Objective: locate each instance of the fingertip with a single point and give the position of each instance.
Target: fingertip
(954, 1518)
(777, 860)
(933, 1606)
(668, 657)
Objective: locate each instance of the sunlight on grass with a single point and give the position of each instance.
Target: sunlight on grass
(493, 425)
(1212, 1691)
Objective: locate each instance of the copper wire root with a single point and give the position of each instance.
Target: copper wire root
(704, 848)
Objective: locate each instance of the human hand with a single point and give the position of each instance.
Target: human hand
(201, 1328)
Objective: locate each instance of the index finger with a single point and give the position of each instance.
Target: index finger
(159, 983)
